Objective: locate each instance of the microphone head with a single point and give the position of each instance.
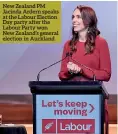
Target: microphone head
(69, 54)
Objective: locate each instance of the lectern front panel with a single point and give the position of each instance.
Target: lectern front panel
(67, 114)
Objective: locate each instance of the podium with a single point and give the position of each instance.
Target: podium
(68, 107)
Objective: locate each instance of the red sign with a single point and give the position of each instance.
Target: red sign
(75, 125)
(68, 126)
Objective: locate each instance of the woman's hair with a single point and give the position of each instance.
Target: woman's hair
(90, 21)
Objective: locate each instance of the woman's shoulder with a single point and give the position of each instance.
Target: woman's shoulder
(100, 41)
(66, 44)
(99, 38)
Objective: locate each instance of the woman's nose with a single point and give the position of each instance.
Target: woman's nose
(74, 19)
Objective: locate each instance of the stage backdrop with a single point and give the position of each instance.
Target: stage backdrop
(20, 63)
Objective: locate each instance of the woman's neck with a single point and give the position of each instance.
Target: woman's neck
(82, 35)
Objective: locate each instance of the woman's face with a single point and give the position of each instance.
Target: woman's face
(77, 21)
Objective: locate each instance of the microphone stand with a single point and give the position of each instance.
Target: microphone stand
(38, 76)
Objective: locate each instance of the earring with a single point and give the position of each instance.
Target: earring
(88, 30)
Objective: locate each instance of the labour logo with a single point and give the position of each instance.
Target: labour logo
(75, 125)
(70, 126)
(48, 125)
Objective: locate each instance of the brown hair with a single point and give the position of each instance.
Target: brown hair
(90, 21)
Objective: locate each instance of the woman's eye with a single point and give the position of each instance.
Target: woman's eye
(73, 16)
(78, 16)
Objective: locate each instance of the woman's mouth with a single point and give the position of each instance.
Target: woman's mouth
(75, 25)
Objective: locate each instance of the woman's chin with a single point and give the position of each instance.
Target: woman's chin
(76, 30)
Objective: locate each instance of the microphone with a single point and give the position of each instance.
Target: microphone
(94, 77)
(38, 76)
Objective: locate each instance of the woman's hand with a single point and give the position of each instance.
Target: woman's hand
(73, 68)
